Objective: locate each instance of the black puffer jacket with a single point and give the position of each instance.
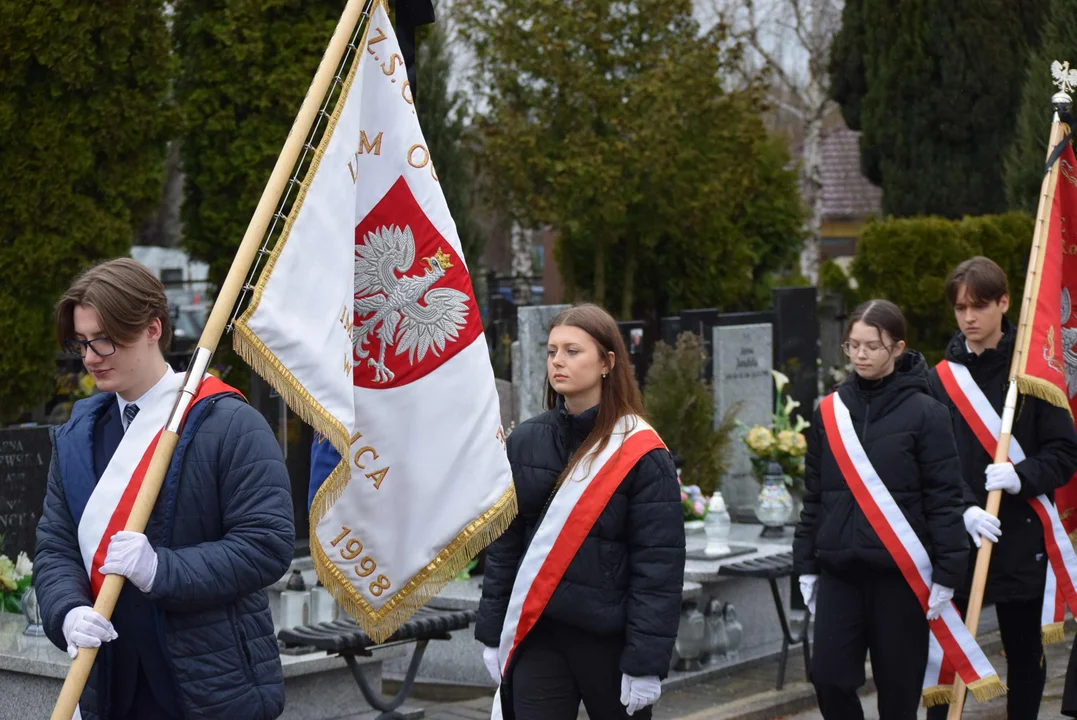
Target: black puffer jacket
(1045, 432)
(908, 438)
(627, 576)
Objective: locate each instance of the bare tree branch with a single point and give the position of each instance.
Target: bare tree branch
(811, 24)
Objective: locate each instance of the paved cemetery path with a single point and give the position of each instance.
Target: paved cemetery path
(750, 694)
(1057, 659)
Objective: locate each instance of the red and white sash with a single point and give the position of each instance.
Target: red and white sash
(949, 636)
(1061, 583)
(572, 513)
(113, 498)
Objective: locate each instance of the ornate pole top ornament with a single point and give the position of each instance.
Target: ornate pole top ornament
(1066, 80)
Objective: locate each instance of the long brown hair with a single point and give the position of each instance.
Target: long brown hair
(620, 393)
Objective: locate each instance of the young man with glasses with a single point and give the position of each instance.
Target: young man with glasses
(191, 634)
(972, 382)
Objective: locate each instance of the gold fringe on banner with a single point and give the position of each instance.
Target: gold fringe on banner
(987, 688)
(380, 624)
(1053, 633)
(938, 695)
(1048, 392)
(250, 347)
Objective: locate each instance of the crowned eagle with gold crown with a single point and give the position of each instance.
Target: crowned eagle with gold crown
(405, 311)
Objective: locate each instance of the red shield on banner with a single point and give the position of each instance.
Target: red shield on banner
(414, 305)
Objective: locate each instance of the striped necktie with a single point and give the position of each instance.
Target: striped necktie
(129, 413)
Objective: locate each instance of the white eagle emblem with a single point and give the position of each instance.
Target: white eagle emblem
(1064, 77)
(1069, 339)
(407, 313)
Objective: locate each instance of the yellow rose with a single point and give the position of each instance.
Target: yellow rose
(760, 440)
(792, 443)
(787, 441)
(7, 574)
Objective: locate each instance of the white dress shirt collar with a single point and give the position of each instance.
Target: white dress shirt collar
(154, 395)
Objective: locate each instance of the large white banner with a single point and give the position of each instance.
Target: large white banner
(365, 320)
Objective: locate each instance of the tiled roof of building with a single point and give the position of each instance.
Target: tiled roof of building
(847, 194)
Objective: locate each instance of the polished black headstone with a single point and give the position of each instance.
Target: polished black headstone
(25, 454)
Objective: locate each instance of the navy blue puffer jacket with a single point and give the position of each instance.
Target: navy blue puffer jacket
(626, 579)
(223, 531)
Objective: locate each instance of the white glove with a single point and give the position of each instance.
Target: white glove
(129, 554)
(489, 656)
(808, 588)
(639, 692)
(85, 628)
(980, 523)
(1002, 476)
(938, 600)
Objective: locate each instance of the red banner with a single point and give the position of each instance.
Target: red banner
(1048, 366)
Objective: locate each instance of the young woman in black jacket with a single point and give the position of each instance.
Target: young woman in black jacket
(605, 633)
(849, 577)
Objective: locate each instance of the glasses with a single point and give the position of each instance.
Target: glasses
(102, 347)
(871, 348)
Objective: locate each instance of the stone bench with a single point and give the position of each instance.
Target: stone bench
(345, 638)
(772, 568)
(317, 685)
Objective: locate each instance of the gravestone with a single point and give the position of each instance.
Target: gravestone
(832, 314)
(25, 454)
(506, 398)
(632, 332)
(796, 344)
(742, 364)
(529, 364)
(700, 322)
(670, 329)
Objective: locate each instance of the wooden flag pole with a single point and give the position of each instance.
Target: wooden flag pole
(79, 671)
(994, 498)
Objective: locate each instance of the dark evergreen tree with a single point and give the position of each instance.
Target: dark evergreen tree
(84, 118)
(934, 86)
(244, 68)
(1025, 159)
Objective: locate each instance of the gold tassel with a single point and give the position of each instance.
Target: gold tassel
(1038, 387)
(987, 688)
(249, 347)
(938, 695)
(1053, 633)
(380, 624)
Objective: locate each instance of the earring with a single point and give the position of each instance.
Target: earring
(604, 375)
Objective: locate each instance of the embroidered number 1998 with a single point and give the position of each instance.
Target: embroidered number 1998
(366, 566)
